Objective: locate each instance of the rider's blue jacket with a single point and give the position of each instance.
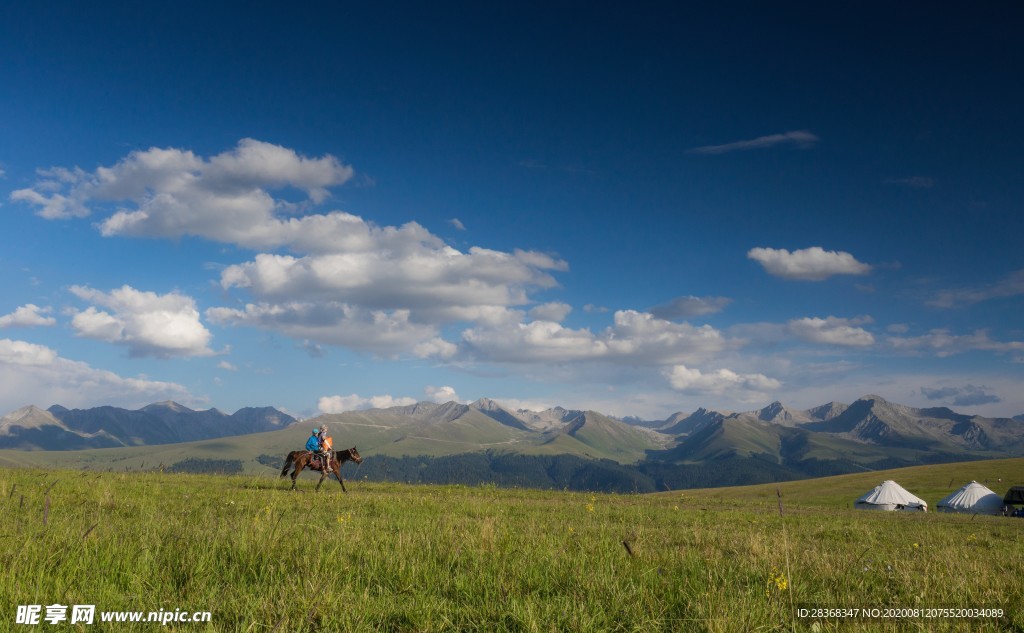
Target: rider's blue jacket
(313, 443)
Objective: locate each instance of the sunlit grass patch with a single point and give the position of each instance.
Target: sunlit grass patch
(442, 558)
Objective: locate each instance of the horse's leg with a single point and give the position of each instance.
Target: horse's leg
(299, 465)
(337, 471)
(323, 475)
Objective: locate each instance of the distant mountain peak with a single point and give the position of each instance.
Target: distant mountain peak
(486, 404)
(29, 417)
(776, 413)
(684, 424)
(827, 411)
(60, 428)
(771, 411)
(872, 396)
(168, 405)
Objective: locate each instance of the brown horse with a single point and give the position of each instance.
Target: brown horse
(303, 459)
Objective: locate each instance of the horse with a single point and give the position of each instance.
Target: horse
(303, 459)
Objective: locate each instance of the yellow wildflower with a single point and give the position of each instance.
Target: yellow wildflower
(777, 580)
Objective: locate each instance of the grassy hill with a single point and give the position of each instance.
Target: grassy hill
(376, 434)
(394, 557)
(931, 483)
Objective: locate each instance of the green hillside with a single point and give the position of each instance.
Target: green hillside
(930, 483)
(373, 433)
(395, 557)
(747, 437)
(383, 433)
(610, 438)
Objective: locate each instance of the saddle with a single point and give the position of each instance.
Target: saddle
(317, 462)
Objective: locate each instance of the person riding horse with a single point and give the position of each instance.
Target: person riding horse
(320, 445)
(326, 446)
(313, 443)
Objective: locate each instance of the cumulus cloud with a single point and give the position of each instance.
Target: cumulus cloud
(386, 333)
(832, 331)
(965, 396)
(325, 278)
(225, 365)
(1010, 286)
(809, 264)
(441, 394)
(172, 192)
(36, 374)
(942, 343)
(635, 337)
(313, 349)
(28, 315)
(149, 324)
(554, 311)
(355, 402)
(690, 306)
(801, 139)
(414, 275)
(436, 347)
(721, 381)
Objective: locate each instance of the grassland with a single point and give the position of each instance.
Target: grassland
(391, 557)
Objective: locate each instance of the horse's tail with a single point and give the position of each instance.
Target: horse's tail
(288, 463)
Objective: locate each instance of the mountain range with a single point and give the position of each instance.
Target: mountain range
(59, 428)
(474, 442)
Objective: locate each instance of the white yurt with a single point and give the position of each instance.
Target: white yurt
(889, 495)
(973, 498)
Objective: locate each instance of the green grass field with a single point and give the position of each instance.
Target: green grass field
(391, 557)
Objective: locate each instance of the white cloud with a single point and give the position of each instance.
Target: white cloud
(809, 264)
(832, 331)
(555, 311)
(172, 193)
(690, 306)
(355, 402)
(53, 206)
(635, 337)
(36, 374)
(436, 347)
(457, 223)
(25, 354)
(403, 277)
(441, 394)
(148, 323)
(1010, 286)
(743, 387)
(942, 343)
(797, 138)
(380, 332)
(28, 315)
(965, 396)
(225, 365)
(391, 273)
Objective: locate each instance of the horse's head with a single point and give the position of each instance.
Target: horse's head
(350, 453)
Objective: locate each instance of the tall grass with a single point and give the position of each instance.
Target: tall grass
(390, 557)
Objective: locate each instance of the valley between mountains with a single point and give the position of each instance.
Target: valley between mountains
(484, 442)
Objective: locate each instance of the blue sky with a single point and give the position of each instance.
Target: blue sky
(639, 210)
